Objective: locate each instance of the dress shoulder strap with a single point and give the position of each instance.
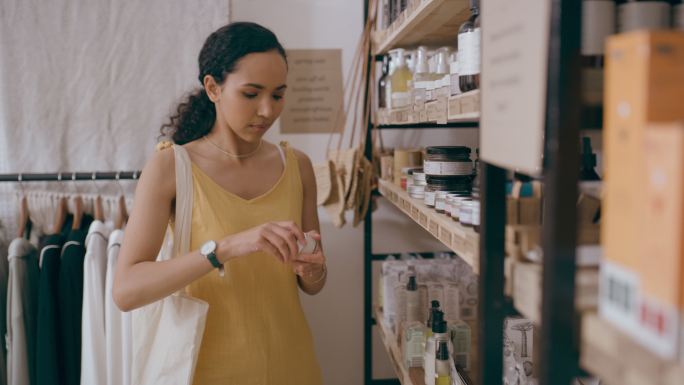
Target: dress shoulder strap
(282, 148)
(184, 192)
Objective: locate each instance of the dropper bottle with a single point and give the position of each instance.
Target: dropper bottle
(442, 365)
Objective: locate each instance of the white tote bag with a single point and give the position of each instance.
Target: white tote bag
(166, 335)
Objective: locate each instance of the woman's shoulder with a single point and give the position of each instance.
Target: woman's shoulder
(302, 158)
(160, 172)
(305, 166)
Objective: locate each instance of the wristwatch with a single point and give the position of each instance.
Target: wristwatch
(208, 250)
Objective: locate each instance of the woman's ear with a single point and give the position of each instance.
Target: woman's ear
(212, 88)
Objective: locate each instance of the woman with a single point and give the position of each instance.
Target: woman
(254, 199)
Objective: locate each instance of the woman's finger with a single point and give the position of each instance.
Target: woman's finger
(277, 243)
(289, 237)
(294, 229)
(315, 258)
(268, 248)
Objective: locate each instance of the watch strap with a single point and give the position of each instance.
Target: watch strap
(213, 260)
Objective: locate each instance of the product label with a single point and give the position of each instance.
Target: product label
(430, 198)
(400, 99)
(436, 293)
(440, 204)
(452, 308)
(447, 168)
(469, 52)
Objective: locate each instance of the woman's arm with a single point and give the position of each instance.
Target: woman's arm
(310, 269)
(140, 279)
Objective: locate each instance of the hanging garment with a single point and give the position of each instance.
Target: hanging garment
(48, 360)
(118, 342)
(4, 277)
(22, 311)
(71, 305)
(93, 340)
(256, 332)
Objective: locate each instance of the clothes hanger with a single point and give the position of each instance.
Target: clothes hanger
(61, 214)
(25, 224)
(121, 212)
(99, 210)
(78, 208)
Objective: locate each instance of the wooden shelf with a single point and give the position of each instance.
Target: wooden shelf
(462, 240)
(461, 109)
(527, 289)
(617, 359)
(432, 23)
(410, 376)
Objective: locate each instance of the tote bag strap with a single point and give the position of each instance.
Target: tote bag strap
(184, 194)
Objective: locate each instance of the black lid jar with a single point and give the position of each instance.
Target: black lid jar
(456, 184)
(448, 161)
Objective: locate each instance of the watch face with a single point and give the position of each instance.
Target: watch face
(208, 248)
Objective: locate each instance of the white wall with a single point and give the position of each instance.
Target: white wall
(336, 314)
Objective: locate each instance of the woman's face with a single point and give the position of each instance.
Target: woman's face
(251, 98)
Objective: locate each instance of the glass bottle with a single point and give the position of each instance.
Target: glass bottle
(382, 83)
(412, 300)
(460, 336)
(422, 69)
(388, 82)
(400, 78)
(439, 333)
(469, 50)
(414, 345)
(434, 307)
(442, 68)
(442, 366)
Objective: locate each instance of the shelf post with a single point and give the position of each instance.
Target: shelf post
(559, 353)
(491, 280)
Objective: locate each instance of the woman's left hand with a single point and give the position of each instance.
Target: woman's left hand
(310, 267)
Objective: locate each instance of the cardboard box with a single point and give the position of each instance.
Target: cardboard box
(454, 109)
(661, 254)
(470, 102)
(644, 84)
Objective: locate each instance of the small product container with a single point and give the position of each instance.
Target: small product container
(465, 213)
(440, 201)
(456, 207)
(419, 178)
(417, 192)
(476, 215)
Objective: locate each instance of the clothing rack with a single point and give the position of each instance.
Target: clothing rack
(70, 176)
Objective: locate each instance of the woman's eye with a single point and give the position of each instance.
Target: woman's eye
(277, 97)
(250, 96)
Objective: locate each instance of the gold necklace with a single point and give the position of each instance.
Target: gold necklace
(239, 156)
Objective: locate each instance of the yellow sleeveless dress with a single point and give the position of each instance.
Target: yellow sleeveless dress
(256, 332)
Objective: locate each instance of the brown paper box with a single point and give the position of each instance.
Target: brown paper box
(661, 253)
(644, 83)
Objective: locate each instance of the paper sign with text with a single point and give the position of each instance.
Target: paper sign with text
(314, 91)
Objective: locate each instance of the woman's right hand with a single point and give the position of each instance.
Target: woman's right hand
(280, 239)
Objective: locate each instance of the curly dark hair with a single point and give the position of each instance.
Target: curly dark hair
(222, 50)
